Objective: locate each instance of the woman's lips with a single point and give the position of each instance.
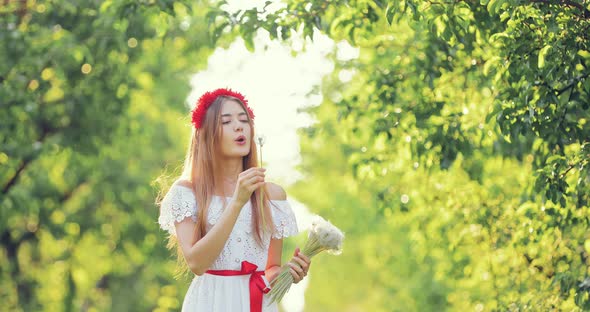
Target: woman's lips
(241, 140)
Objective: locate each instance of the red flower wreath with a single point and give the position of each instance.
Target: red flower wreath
(198, 113)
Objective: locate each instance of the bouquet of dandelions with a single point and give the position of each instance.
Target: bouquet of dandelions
(322, 236)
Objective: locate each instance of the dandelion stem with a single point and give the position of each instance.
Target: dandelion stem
(262, 215)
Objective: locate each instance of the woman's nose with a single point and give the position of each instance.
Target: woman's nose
(238, 126)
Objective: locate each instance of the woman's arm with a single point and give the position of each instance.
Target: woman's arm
(273, 264)
(200, 254)
(275, 250)
(299, 264)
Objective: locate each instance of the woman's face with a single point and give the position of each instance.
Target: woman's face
(235, 130)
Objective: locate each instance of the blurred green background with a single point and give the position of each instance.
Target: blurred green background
(455, 159)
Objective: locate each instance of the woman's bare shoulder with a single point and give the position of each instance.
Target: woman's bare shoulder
(183, 183)
(275, 191)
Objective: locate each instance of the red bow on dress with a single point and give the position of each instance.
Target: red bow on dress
(257, 284)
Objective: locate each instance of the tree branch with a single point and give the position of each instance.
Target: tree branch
(582, 163)
(573, 83)
(565, 88)
(46, 131)
(16, 175)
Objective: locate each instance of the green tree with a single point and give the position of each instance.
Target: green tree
(456, 159)
(91, 95)
(461, 143)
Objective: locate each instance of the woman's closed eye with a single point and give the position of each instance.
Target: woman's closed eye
(225, 122)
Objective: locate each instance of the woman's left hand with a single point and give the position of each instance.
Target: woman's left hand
(299, 265)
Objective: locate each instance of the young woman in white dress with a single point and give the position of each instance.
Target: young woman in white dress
(229, 239)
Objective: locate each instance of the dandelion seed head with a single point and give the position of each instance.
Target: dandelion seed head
(261, 139)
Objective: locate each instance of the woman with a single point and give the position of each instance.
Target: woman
(228, 237)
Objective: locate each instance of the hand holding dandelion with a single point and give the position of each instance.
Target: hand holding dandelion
(322, 236)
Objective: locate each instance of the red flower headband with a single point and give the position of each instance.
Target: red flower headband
(198, 113)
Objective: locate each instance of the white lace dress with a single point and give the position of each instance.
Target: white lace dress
(226, 293)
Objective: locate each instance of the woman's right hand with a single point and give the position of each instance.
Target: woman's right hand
(248, 181)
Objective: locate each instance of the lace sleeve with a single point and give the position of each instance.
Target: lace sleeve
(284, 220)
(178, 204)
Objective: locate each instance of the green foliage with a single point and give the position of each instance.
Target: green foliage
(91, 94)
(456, 159)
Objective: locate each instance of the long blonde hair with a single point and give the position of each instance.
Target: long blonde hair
(202, 168)
(202, 165)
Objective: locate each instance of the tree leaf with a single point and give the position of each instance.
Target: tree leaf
(389, 13)
(542, 55)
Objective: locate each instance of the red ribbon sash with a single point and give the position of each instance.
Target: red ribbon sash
(257, 284)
